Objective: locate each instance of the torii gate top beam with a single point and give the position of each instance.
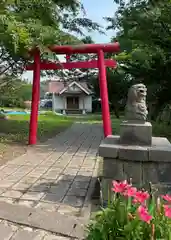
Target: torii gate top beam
(85, 48)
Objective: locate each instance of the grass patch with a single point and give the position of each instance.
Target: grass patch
(116, 126)
(16, 129)
(162, 130)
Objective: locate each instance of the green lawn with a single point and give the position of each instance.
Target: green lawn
(16, 129)
(14, 132)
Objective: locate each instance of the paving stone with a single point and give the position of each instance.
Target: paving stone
(44, 181)
(85, 173)
(54, 198)
(59, 190)
(60, 164)
(73, 191)
(27, 203)
(69, 210)
(9, 170)
(54, 237)
(32, 196)
(27, 235)
(49, 221)
(80, 184)
(14, 227)
(47, 206)
(2, 190)
(29, 180)
(5, 232)
(39, 188)
(68, 178)
(80, 178)
(73, 201)
(52, 174)
(21, 186)
(6, 199)
(35, 174)
(12, 194)
(47, 163)
(24, 169)
(6, 184)
(70, 171)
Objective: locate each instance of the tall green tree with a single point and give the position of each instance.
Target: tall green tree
(144, 29)
(35, 23)
(15, 92)
(118, 83)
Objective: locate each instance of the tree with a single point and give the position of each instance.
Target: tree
(15, 92)
(118, 83)
(28, 24)
(144, 29)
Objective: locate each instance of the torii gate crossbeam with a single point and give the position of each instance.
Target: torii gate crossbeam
(101, 64)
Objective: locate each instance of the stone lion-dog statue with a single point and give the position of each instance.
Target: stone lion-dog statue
(136, 108)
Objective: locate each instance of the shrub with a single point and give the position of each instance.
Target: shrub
(133, 215)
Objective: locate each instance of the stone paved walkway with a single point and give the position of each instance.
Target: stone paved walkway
(11, 231)
(56, 176)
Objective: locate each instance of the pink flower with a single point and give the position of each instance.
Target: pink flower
(144, 215)
(167, 211)
(130, 192)
(141, 197)
(166, 197)
(120, 187)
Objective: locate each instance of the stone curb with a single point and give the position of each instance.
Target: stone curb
(49, 221)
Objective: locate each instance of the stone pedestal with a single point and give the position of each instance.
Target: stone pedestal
(136, 133)
(143, 164)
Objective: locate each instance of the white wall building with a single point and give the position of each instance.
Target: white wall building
(74, 97)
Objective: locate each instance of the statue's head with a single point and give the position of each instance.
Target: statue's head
(137, 93)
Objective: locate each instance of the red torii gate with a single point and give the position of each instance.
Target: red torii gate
(101, 64)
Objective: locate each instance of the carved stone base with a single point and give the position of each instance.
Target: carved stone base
(136, 133)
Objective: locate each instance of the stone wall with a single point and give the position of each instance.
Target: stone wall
(141, 173)
(143, 165)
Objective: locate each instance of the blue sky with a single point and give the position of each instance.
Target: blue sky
(95, 10)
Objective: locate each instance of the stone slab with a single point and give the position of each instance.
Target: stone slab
(111, 139)
(53, 237)
(49, 221)
(133, 153)
(108, 150)
(5, 232)
(27, 235)
(160, 141)
(160, 154)
(136, 133)
(159, 151)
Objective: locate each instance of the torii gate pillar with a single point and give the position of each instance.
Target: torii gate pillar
(35, 100)
(104, 95)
